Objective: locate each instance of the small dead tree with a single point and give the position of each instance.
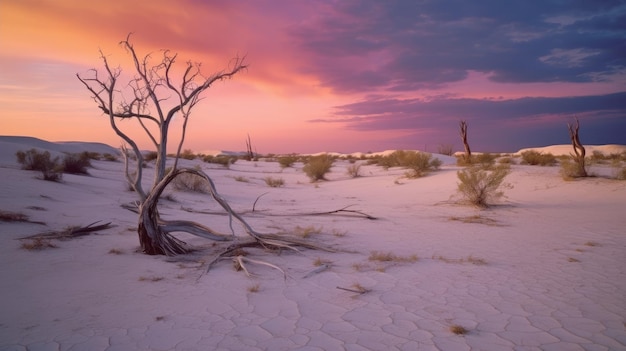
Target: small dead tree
(249, 152)
(153, 97)
(579, 149)
(468, 151)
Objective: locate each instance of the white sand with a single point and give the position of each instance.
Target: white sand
(554, 278)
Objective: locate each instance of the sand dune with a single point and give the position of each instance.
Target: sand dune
(544, 270)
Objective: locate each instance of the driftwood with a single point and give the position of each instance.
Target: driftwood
(155, 233)
(70, 233)
(340, 212)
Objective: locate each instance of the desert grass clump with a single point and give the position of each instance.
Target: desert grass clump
(534, 158)
(76, 163)
(287, 161)
(480, 186)
(317, 167)
(571, 170)
(390, 257)
(274, 182)
(458, 329)
(189, 182)
(354, 170)
(37, 244)
(254, 288)
(418, 163)
(225, 161)
(306, 232)
(150, 156)
(188, 154)
(33, 160)
(620, 174)
(241, 179)
(109, 157)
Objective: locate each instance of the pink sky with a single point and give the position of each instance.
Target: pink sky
(289, 85)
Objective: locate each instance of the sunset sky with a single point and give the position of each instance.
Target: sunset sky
(326, 75)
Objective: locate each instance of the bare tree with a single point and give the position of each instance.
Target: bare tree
(463, 132)
(579, 149)
(153, 97)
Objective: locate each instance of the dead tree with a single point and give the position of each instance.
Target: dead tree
(468, 151)
(249, 152)
(155, 232)
(579, 149)
(153, 97)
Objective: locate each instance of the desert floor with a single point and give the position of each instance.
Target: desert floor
(543, 270)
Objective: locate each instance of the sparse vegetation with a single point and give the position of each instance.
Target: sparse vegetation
(187, 154)
(287, 161)
(241, 179)
(418, 163)
(37, 244)
(534, 158)
(469, 259)
(225, 161)
(571, 170)
(33, 160)
(109, 157)
(76, 163)
(390, 257)
(458, 329)
(354, 170)
(189, 182)
(115, 251)
(306, 232)
(317, 167)
(150, 156)
(480, 186)
(274, 182)
(254, 288)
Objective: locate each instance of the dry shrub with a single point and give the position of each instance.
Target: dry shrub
(76, 163)
(480, 186)
(287, 161)
(354, 170)
(458, 329)
(37, 244)
(306, 232)
(187, 154)
(150, 156)
(390, 257)
(33, 160)
(418, 163)
(189, 182)
(317, 167)
(225, 161)
(109, 157)
(534, 158)
(274, 182)
(571, 169)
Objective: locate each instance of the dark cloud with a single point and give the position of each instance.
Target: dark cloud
(408, 45)
(496, 124)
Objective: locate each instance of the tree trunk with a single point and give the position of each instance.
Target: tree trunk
(579, 149)
(468, 151)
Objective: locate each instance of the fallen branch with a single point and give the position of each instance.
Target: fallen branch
(319, 269)
(70, 233)
(359, 290)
